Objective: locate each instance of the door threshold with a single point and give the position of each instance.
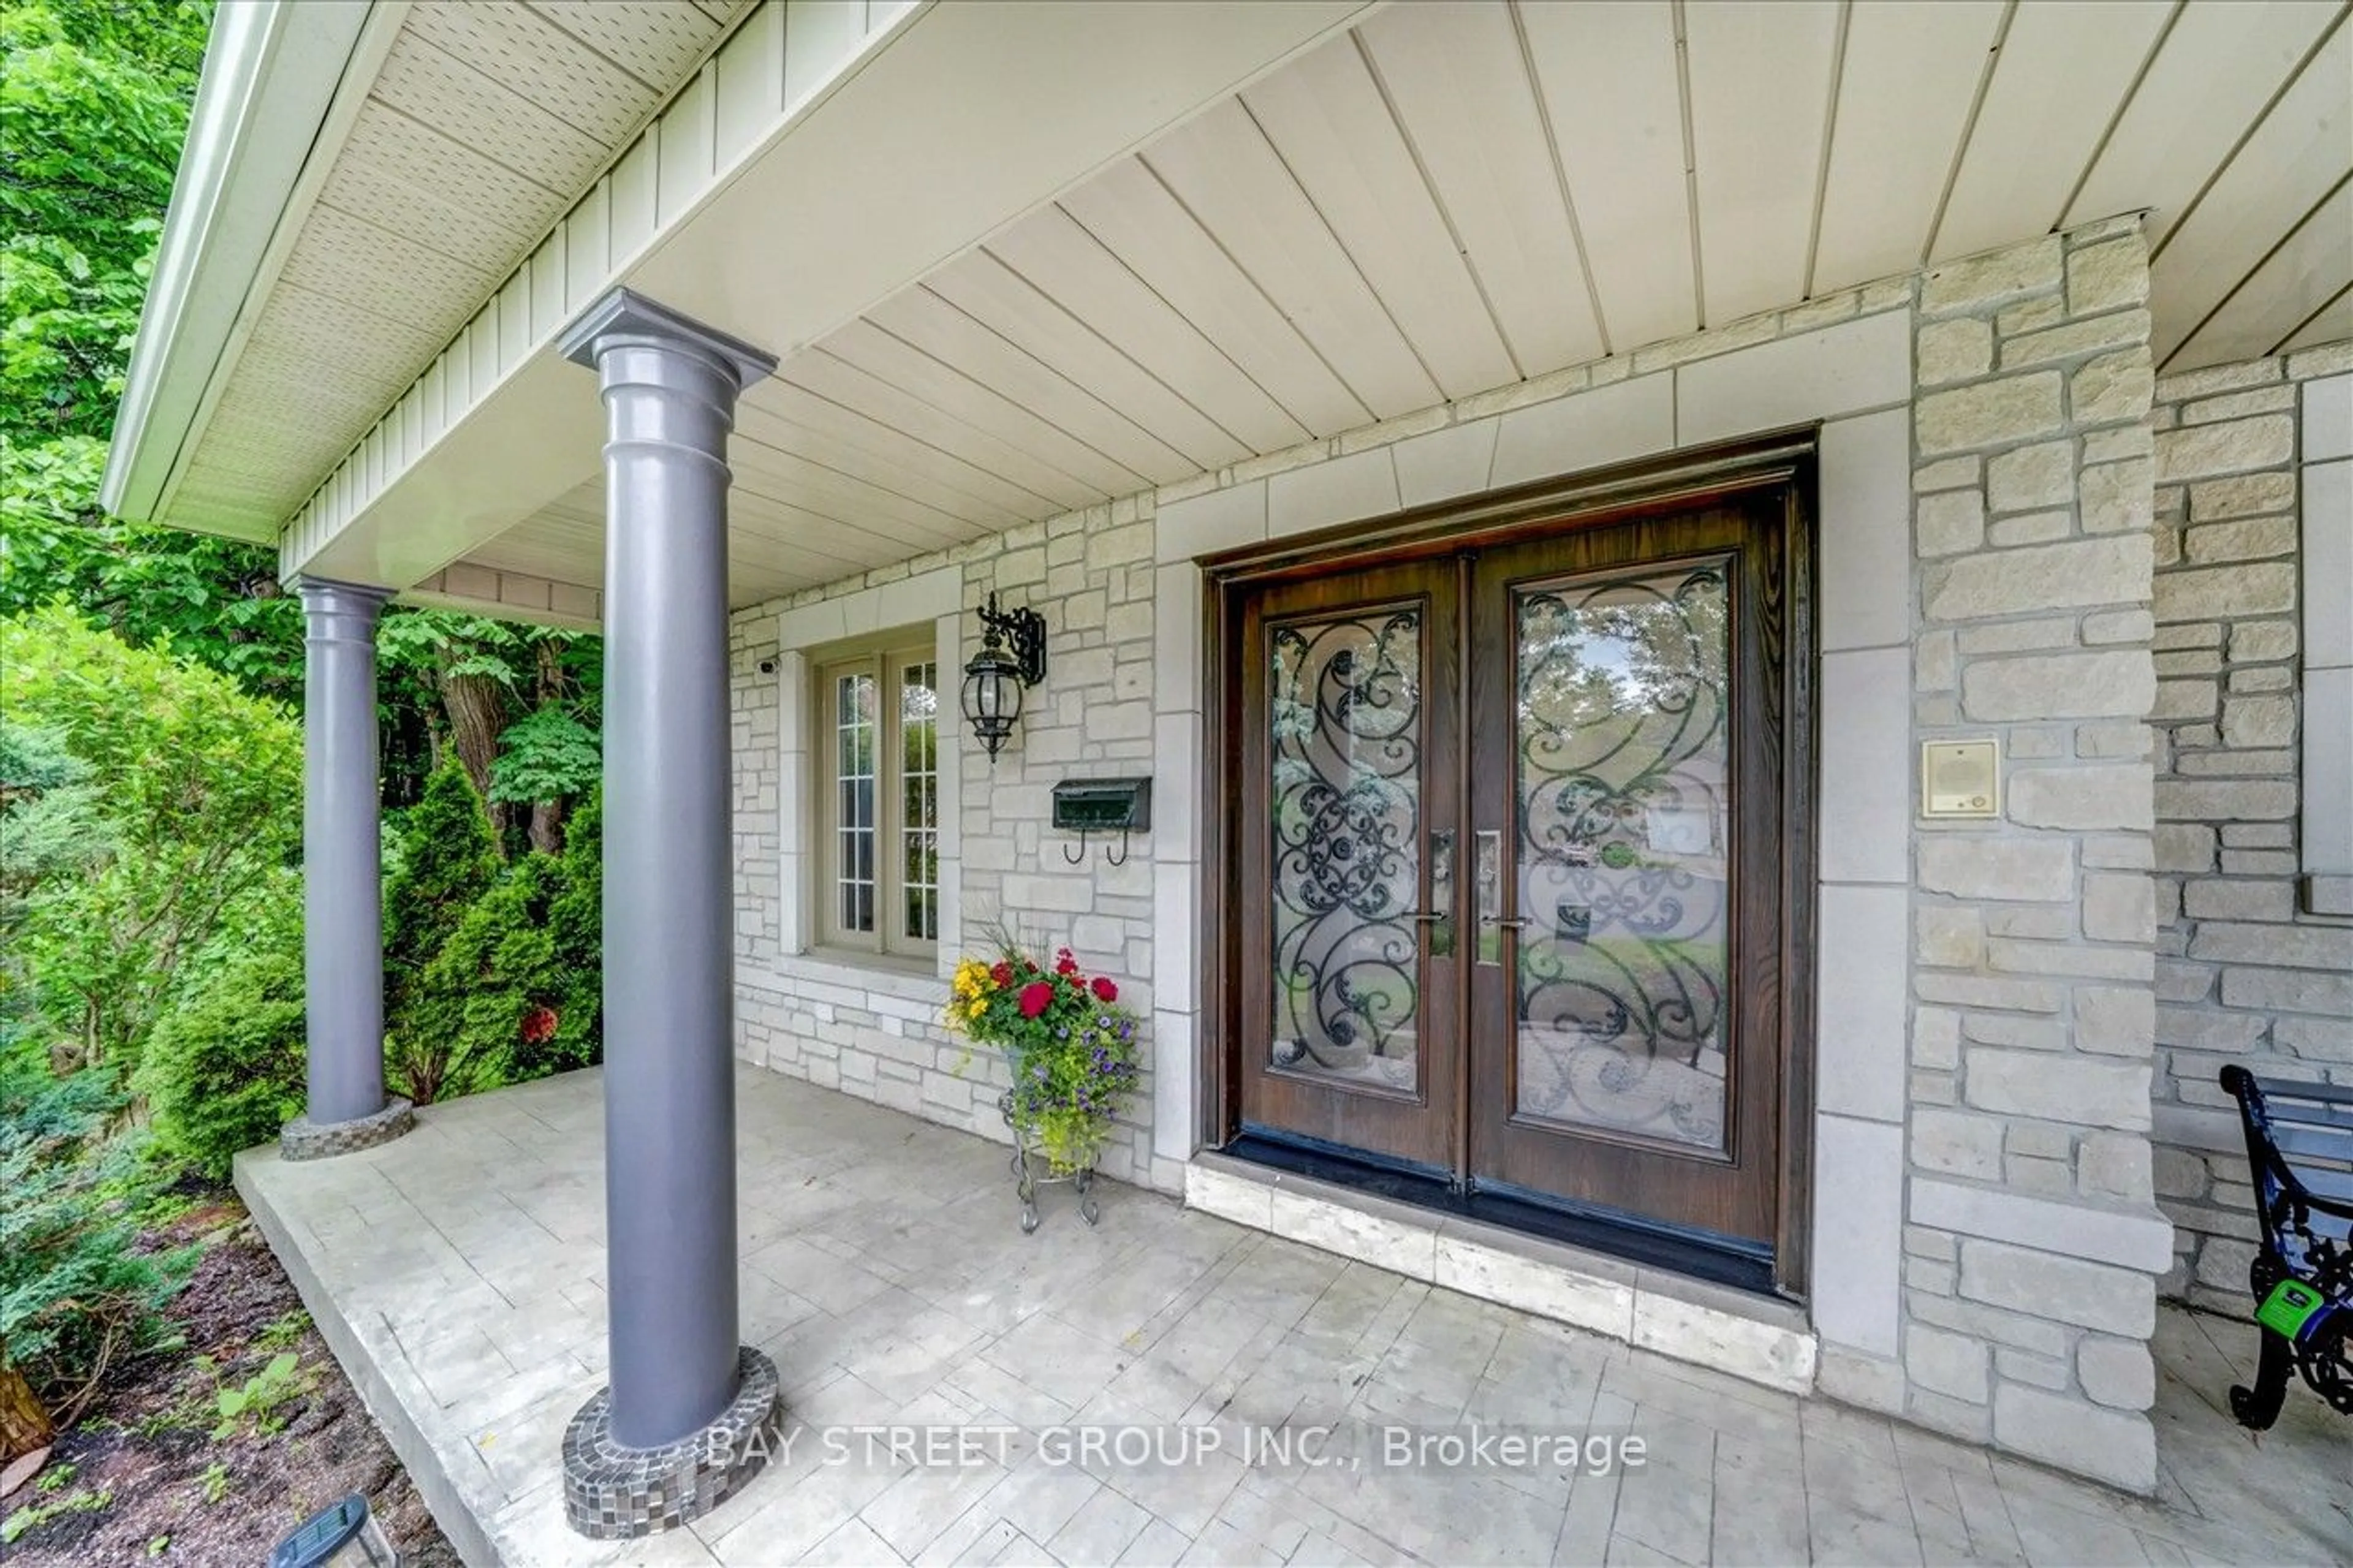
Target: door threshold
(1699, 1254)
(1761, 1339)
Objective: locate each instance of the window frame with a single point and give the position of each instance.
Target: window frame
(885, 659)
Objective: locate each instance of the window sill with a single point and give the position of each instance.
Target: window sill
(911, 979)
(2327, 895)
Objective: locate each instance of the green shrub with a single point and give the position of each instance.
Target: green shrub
(111, 887)
(223, 1069)
(512, 995)
(446, 862)
(75, 1295)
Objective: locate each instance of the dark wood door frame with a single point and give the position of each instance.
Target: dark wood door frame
(1784, 462)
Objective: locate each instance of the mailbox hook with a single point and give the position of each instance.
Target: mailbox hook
(1109, 859)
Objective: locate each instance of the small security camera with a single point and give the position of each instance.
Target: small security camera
(768, 667)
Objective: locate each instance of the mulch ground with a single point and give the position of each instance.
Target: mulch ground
(175, 1494)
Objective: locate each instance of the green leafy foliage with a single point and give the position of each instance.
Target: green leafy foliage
(93, 102)
(551, 755)
(50, 823)
(121, 888)
(223, 1069)
(75, 1294)
(254, 1402)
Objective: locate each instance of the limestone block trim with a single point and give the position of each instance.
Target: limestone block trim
(2325, 427)
(937, 597)
(1847, 366)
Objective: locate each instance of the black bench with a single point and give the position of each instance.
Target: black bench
(2300, 1152)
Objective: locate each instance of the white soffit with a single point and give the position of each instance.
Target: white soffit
(441, 143)
(1445, 198)
(1454, 196)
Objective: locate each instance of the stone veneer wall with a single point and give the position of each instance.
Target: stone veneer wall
(872, 1029)
(2032, 943)
(1986, 1240)
(2251, 465)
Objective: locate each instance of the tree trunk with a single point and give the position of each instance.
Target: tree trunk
(547, 816)
(24, 1423)
(477, 709)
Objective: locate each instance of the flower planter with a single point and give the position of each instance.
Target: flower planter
(1028, 1159)
(1071, 1051)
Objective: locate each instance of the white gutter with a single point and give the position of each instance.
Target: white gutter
(265, 114)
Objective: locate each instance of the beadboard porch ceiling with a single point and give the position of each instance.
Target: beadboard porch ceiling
(1442, 199)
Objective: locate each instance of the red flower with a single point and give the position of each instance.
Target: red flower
(539, 1025)
(1002, 974)
(1104, 990)
(1036, 997)
(1064, 963)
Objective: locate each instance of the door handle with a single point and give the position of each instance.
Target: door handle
(1439, 916)
(1488, 872)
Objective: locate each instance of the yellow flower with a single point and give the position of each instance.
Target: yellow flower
(979, 1005)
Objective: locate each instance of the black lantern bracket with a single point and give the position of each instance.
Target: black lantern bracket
(994, 679)
(1025, 630)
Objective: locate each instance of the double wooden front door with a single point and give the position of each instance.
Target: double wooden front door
(1509, 864)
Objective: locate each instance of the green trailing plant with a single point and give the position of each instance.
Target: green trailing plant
(214, 1482)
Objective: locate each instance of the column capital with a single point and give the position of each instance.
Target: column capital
(332, 594)
(624, 316)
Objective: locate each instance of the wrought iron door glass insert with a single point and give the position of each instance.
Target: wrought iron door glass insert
(1623, 797)
(1345, 710)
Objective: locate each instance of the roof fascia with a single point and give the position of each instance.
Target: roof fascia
(281, 83)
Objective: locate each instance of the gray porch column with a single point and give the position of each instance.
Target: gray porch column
(343, 906)
(688, 1412)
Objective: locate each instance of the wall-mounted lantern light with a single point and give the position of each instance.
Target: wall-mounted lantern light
(994, 679)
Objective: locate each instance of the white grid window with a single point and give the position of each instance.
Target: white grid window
(918, 801)
(881, 801)
(855, 721)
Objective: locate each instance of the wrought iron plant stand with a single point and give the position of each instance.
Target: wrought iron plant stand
(1027, 1154)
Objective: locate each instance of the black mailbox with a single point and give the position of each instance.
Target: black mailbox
(1103, 805)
